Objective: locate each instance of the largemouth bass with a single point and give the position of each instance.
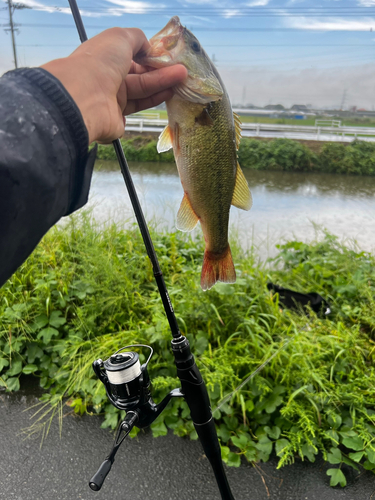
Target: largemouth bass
(205, 136)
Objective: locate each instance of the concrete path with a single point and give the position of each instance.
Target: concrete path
(168, 468)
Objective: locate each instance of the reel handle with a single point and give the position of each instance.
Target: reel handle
(97, 480)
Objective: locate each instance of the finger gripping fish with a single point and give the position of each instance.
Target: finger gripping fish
(205, 136)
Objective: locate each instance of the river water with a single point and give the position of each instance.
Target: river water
(286, 205)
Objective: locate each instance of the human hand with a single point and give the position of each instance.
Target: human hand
(106, 84)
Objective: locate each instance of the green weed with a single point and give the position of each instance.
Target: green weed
(357, 158)
(88, 290)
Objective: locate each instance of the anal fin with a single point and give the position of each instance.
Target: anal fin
(241, 196)
(187, 219)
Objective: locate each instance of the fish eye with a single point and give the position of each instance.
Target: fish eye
(195, 46)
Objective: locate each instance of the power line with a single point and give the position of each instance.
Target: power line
(205, 29)
(294, 45)
(252, 8)
(118, 10)
(314, 65)
(236, 45)
(230, 12)
(226, 11)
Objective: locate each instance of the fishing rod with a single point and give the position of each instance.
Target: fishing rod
(127, 383)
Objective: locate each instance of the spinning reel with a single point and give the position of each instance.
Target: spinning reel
(128, 385)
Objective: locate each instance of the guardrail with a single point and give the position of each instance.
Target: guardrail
(313, 130)
(327, 123)
(148, 122)
(256, 129)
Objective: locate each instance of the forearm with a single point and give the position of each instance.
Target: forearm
(45, 170)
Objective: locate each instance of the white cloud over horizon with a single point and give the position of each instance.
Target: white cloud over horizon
(115, 8)
(135, 6)
(231, 13)
(333, 24)
(320, 87)
(258, 3)
(366, 3)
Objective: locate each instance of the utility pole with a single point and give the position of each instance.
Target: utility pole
(12, 30)
(12, 26)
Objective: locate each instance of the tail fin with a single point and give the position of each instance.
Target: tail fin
(217, 267)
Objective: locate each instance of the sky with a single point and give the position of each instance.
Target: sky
(318, 52)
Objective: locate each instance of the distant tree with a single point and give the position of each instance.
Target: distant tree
(299, 107)
(278, 107)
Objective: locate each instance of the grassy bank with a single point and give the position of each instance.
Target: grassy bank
(86, 291)
(356, 158)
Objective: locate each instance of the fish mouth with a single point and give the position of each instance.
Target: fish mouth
(172, 45)
(159, 54)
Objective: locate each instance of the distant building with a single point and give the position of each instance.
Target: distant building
(361, 112)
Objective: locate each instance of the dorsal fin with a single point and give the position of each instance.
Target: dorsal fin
(165, 141)
(187, 219)
(241, 196)
(237, 126)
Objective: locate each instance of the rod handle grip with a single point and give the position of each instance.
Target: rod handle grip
(97, 480)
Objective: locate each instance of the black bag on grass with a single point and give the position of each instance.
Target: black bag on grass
(295, 300)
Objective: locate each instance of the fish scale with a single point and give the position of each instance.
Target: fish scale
(210, 167)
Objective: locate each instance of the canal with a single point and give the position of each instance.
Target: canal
(286, 205)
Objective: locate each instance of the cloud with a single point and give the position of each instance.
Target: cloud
(259, 3)
(40, 6)
(199, 2)
(122, 7)
(228, 13)
(134, 6)
(366, 3)
(64, 10)
(334, 24)
(319, 86)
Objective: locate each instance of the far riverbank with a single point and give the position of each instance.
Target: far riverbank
(355, 158)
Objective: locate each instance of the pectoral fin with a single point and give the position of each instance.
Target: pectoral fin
(241, 196)
(187, 219)
(165, 141)
(204, 119)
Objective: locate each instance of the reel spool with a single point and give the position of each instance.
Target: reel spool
(127, 382)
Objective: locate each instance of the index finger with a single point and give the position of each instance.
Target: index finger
(137, 39)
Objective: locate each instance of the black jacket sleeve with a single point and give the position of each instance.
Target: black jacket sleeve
(45, 166)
